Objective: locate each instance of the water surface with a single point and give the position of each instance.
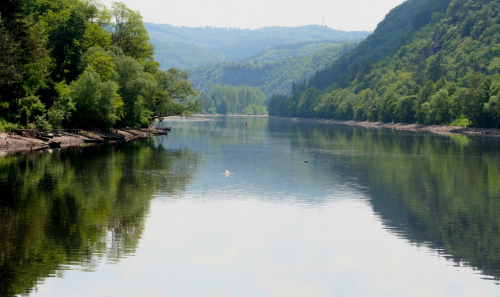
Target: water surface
(307, 209)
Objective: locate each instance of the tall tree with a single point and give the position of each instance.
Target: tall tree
(66, 41)
(129, 33)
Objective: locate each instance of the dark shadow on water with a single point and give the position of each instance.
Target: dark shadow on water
(79, 206)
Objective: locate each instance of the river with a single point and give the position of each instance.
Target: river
(255, 206)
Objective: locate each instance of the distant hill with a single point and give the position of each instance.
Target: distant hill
(428, 62)
(184, 47)
(273, 71)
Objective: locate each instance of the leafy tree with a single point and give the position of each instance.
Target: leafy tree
(172, 95)
(129, 33)
(100, 61)
(97, 103)
(66, 41)
(136, 88)
(96, 36)
(474, 99)
(30, 107)
(10, 70)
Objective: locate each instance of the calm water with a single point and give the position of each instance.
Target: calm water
(371, 213)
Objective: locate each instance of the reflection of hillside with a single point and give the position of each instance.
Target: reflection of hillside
(440, 191)
(231, 131)
(79, 206)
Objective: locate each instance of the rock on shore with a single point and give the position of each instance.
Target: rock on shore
(11, 143)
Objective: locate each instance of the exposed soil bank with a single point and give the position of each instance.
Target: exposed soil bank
(444, 130)
(11, 143)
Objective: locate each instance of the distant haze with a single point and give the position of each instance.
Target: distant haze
(347, 15)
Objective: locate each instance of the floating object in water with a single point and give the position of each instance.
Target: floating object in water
(306, 161)
(227, 173)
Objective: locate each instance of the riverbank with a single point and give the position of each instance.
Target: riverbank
(443, 130)
(12, 143)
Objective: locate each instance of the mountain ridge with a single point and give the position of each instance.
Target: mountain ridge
(209, 45)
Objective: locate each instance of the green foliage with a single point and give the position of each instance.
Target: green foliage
(129, 32)
(66, 46)
(6, 126)
(253, 109)
(42, 124)
(100, 61)
(173, 95)
(96, 36)
(428, 62)
(9, 65)
(96, 102)
(29, 108)
(135, 88)
(47, 45)
(234, 100)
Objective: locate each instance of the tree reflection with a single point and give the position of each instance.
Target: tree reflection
(80, 206)
(440, 191)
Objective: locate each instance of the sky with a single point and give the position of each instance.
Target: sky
(346, 15)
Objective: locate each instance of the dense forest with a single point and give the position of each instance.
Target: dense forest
(234, 100)
(273, 71)
(428, 62)
(78, 63)
(184, 47)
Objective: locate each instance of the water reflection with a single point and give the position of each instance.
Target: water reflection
(274, 226)
(442, 192)
(80, 206)
(439, 191)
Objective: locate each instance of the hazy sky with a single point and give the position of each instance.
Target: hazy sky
(348, 15)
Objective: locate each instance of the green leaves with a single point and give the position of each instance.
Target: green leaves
(232, 100)
(10, 70)
(89, 66)
(66, 43)
(97, 102)
(129, 32)
(442, 70)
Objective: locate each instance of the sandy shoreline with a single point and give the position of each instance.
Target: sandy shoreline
(12, 143)
(443, 130)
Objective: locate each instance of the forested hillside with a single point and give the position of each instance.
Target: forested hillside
(184, 47)
(274, 71)
(79, 63)
(428, 62)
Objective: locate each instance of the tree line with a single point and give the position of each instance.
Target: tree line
(79, 63)
(234, 100)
